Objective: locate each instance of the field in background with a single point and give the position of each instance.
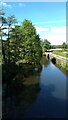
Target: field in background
(63, 53)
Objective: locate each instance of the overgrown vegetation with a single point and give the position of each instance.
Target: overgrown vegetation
(46, 45)
(22, 45)
(63, 53)
(63, 46)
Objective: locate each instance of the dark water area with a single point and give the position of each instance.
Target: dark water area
(43, 95)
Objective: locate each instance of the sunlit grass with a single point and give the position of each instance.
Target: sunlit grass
(63, 53)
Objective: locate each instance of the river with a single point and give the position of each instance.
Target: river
(44, 95)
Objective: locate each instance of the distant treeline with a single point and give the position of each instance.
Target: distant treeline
(64, 46)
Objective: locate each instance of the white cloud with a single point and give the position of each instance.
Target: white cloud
(56, 35)
(4, 4)
(5, 29)
(58, 29)
(21, 5)
(56, 39)
(41, 29)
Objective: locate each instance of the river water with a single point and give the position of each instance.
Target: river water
(44, 95)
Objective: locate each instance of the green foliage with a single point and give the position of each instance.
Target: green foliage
(23, 43)
(2, 18)
(63, 53)
(64, 45)
(31, 43)
(56, 46)
(15, 44)
(46, 45)
(11, 20)
(2, 22)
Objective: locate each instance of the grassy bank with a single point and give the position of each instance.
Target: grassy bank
(60, 62)
(63, 53)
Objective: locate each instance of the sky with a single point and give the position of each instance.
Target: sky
(49, 18)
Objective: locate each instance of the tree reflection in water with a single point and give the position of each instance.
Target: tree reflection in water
(45, 61)
(20, 96)
(37, 94)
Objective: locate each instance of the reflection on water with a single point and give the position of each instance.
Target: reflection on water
(44, 61)
(16, 104)
(43, 94)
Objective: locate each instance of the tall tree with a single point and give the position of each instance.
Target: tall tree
(31, 43)
(11, 20)
(2, 22)
(16, 47)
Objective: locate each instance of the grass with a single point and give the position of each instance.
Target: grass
(63, 53)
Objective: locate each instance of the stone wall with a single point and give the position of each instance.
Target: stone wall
(60, 61)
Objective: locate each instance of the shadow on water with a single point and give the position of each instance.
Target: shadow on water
(20, 94)
(36, 103)
(36, 96)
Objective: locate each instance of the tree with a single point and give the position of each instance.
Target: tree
(11, 20)
(16, 47)
(46, 45)
(31, 43)
(22, 42)
(64, 45)
(2, 22)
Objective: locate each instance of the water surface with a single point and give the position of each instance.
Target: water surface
(44, 95)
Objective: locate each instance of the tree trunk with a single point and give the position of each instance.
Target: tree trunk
(8, 48)
(3, 51)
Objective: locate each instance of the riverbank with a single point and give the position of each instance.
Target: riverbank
(59, 60)
(63, 53)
